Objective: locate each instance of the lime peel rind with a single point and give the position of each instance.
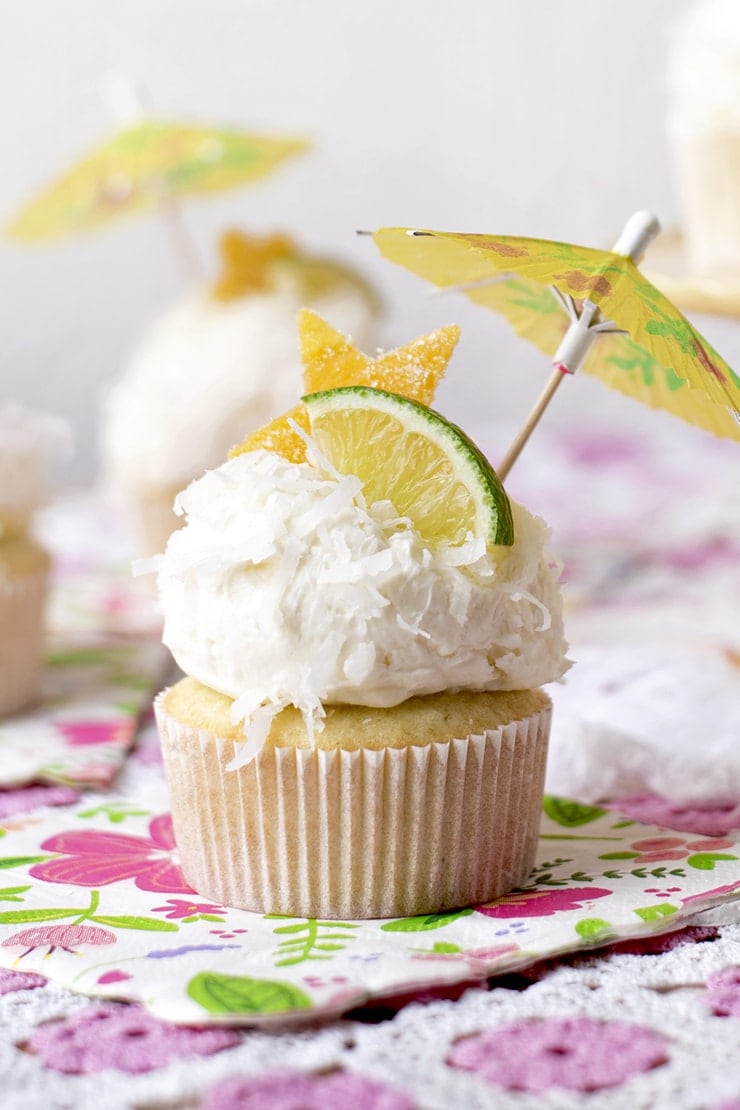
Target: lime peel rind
(493, 518)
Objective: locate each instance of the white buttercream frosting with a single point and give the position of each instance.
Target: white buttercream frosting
(28, 441)
(284, 588)
(209, 373)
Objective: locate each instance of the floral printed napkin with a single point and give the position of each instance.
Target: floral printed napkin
(94, 691)
(92, 897)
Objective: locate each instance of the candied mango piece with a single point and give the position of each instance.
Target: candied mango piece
(278, 436)
(331, 361)
(247, 261)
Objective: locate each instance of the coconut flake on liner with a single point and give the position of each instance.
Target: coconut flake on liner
(285, 588)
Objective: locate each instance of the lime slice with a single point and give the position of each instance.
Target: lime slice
(411, 456)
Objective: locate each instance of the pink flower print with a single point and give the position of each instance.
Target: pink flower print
(713, 549)
(177, 910)
(604, 449)
(93, 858)
(723, 989)
(66, 937)
(111, 1035)
(715, 892)
(148, 750)
(80, 733)
(19, 981)
(479, 960)
(113, 977)
(309, 1092)
(575, 1054)
(707, 819)
(655, 848)
(541, 903)
(23, 799)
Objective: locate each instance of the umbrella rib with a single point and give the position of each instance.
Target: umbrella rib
(589, 312)
(464, 286)
(565, 301)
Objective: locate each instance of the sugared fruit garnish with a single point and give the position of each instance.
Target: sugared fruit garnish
(411, 456)
(330, 361)
(247, 263)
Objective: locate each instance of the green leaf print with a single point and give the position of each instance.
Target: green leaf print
(148, 923)
(530, 295)
(309, 939)
(116, 812)
(705, 861)
(17, 917)
(21, 861)
(234, 994)
(11, 893)
(570, 814)
(425, 921)
(594, 928)
(654, 913)
(82, 657)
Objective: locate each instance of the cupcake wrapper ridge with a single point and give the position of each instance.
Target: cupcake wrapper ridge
(22, 602)
(358, 834)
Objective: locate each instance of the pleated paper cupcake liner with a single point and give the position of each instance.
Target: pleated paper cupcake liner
(22, 602)
(357, 834)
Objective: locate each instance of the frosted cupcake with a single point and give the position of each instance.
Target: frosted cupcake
(27, 439)
(217, 365)
(704, 130)
(361, 732)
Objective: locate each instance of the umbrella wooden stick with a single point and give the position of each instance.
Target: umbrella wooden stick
(128, 102)
(181, 241)
(530, 424)
(638, 232)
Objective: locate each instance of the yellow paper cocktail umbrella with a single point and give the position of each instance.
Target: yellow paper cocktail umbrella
(584, 308)
(149, 165)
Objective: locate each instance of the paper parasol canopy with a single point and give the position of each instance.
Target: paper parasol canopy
(143, 167)
(584, 307)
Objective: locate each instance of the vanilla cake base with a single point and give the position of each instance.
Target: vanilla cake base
(428, 806)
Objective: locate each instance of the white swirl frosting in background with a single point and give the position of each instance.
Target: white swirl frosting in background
(208, 373)
(29, 440)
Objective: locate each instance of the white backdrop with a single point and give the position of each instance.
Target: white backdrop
(485, 115)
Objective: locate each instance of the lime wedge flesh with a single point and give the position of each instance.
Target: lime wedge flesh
(411, 456)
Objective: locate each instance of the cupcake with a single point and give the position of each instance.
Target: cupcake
(217, 365)
(704, 132)
(27, 439)
(365, 622)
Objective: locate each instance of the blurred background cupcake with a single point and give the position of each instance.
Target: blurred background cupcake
(704, 133)
(28, 440)
(221, 362)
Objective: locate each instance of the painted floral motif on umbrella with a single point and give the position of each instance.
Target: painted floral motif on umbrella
(144, 166)
(654, 354)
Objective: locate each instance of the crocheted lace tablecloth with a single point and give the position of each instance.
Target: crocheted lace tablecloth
(650, 545)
